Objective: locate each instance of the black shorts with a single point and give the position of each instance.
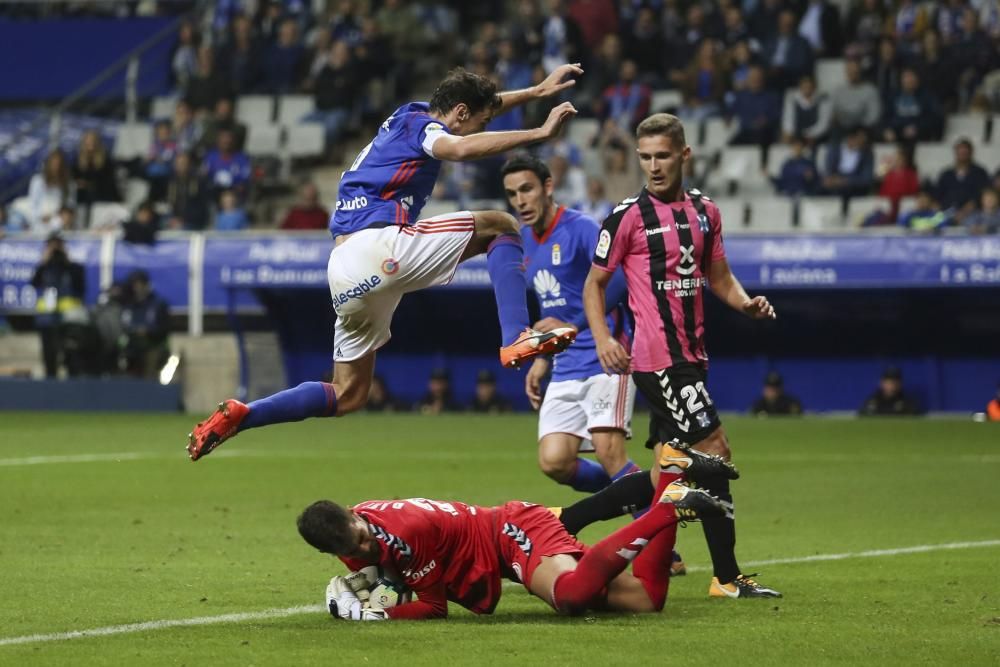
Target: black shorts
(680, 407)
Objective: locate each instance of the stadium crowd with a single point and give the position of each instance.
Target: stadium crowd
(908, 69)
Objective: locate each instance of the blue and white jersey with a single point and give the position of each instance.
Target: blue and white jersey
(557, 265)
(393, 176)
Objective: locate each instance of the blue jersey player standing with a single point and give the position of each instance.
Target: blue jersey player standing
(581, 402)
(384, 250)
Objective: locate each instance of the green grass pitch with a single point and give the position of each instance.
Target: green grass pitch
(125, 529)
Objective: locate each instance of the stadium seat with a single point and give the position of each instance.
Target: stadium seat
(133, 141)
(163, 107)
(136, 192)
(305, 140)
(108, 214)
(733, 210)
(933, 158)
(582, 130)
(716, 133)
(741, 165)
(820, 213)
(830, 74)
(884, 152)
(972, 126)
(772, 214)
(255, 110)
(777, 154)
(666, 100)
(263, 140)
(293, 108)
(988, 155)
(858, 208)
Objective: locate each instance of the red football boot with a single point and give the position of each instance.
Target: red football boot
(218, 428)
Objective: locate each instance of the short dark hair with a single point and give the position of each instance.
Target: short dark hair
(526, 162)
(326, 526)
(463, 87)
(666, 124)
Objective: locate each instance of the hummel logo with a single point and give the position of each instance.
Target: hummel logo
(661, 230)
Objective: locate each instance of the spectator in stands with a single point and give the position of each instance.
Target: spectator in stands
(740, 62)
(959, 186)
(406, 35)
(184, 61)
(94, 172)
(820, 26)
(621, 167)
(207, 85)
(188, 196)
(67, 219)
(703, 84)
(380, 399)
(735, 28)
(60, 287)
(937, 68)
(927, 217)
(627, 101)
(976, 54)
(223, 118)
(764, 19)
(773, 399)
(142, 227)
(107, 320)
(856, 103)
(806, 114)
(756, 111)
(947, 20)
(48, 191)
(307, 213)
(231, 217)
(788, 56)
(160, 160)
(241, 58)
(603, 68)
(186, 129)
(145, 327)
(286, 61)
(438, 398)
(487, 399)
(912, 114)
(335, 89)
(986, 220)
(993, 407)
(889, 398)
(646, 45)
(910, 22)
(850, 166)
(226, 168)
(694, 31)
(866, 22)
(595, 204)
(596, 19)
(901, 180)
(569, 182)
(886, 68)
(798, 175)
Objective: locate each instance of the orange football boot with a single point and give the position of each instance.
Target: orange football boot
(532, 343)
(219, 427)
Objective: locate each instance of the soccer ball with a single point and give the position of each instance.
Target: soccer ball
(387, 591)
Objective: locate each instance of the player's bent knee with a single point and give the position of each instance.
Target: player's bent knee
(351, 398)
(560, 470)
(495, 223)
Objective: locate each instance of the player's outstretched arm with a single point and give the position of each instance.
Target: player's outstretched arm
(559, 80)
(484, 144)
(727, 287)
(613, 357)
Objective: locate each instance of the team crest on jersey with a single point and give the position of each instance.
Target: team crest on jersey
(556, 255)
(603, 244)
(703, 223)
(703, 419)
(390, 266)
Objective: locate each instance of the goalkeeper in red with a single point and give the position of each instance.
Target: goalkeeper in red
(450, 551)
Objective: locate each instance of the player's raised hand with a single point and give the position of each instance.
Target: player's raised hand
(559, 115)
(613, 357)
(759, 308)
(559, 80)
(533, 381)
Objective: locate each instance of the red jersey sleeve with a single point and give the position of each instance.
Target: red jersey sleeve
(432, 602)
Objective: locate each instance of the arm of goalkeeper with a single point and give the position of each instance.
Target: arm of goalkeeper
(343, 602)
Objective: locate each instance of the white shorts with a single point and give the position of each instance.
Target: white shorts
(578, 407)
(371, 271)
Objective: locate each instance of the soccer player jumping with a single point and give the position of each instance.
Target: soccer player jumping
(669, 244)
(384, 250)
(452, 551)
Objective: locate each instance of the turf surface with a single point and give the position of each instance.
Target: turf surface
(125, 529)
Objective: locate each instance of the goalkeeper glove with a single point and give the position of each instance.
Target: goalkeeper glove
(343, 602)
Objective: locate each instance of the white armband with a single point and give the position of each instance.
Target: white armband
(432, 132)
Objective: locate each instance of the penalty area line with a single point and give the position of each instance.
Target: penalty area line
(268, 614)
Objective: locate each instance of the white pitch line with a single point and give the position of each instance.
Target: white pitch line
(309, 609)
(119, 456)
(159, 625)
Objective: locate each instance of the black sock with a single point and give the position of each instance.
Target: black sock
(623, 496)
(720, 534)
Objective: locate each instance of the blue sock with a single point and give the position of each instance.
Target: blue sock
(309, 399)
(505, 263)
(589, 476)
